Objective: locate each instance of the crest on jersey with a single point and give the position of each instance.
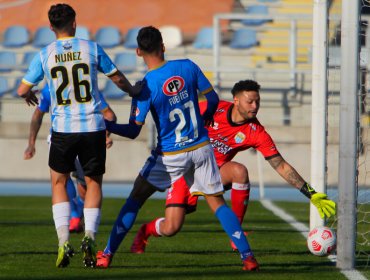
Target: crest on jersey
(239, 137)
(67, 45)
(135, 111)
(173, 85)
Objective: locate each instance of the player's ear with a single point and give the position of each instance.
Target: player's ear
(163, 48)
(138, 52)
(74, 27)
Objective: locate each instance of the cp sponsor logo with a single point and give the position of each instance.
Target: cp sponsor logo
(173, 85)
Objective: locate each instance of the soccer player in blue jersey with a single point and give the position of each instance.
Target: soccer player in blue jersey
(76, 202)
(70, 66)
(170, 93)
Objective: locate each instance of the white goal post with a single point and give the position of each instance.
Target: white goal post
(319, 107)
(349, 120)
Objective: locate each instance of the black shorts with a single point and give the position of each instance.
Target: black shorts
(79, 173)
(89, 147)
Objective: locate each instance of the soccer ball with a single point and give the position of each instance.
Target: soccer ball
(321, 241)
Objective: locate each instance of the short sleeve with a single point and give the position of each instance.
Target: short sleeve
(105, 64)
(35, 72)
(203, 84)
(265, 144)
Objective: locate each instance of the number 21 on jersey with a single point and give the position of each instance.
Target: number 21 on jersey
(183, 117)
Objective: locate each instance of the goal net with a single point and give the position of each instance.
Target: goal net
(349, 113)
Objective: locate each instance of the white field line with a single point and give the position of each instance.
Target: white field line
(303, 229)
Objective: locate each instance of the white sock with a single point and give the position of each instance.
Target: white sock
(92, 221)
(241, 187)
(157, 226)
(61, 215)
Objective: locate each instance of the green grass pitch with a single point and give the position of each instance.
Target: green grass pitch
(28, 246)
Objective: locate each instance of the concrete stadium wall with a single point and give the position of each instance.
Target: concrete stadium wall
(126, 157)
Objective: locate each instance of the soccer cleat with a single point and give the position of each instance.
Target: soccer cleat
(88, 249)
(140, 241)
(75, 225)
(65, 252)
(233, 247)
(250, 264)
(103, 260)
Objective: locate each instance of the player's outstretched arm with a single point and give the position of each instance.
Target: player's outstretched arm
(121, 81)
(212, 103)
(25, 91)
(324, 205)
(35, 125)
(109, 115)
(130, 130)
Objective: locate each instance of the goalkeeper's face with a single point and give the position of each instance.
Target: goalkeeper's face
(247, 103)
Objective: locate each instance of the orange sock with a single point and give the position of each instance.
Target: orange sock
(240, 199)
(151, 230)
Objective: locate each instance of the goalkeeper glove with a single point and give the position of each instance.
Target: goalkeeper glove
(325, 206)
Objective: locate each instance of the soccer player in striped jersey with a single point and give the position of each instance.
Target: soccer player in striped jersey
(70, 66)
(235, 129)
(76, 202)
(170, 93)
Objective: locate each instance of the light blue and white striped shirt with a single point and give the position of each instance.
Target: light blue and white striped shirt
(71, 67)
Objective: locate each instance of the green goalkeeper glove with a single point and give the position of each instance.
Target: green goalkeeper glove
(325, 206)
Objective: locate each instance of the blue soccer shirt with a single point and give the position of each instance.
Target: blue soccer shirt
(170, 93)
(44, 102)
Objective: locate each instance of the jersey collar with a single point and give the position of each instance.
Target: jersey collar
(66, 38)
(229, 119)
(159, 66)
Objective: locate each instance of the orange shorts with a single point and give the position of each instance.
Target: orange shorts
(179, 196)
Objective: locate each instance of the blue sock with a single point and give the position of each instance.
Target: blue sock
(231, 226)
(123, 224)
(80, 206)
(71, 191)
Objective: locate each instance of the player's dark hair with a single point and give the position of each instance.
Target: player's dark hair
(61, 16)
(246, 85)
(149, 39)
